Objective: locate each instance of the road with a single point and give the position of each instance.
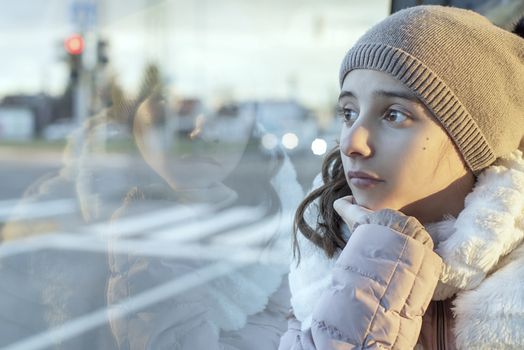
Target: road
(55, 263)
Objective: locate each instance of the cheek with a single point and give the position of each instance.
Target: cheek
(423, 172)
(409, 165)
(418, 153)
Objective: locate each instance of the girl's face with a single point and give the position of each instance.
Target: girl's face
(390, 136)
(211, 153)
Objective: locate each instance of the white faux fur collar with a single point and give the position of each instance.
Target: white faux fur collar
(490, 226)
(473, 246)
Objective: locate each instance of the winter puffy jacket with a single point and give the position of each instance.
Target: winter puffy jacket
(393, 288)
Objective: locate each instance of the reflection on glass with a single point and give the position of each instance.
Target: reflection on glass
(149, 179)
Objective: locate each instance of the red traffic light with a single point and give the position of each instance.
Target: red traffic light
(74, 44)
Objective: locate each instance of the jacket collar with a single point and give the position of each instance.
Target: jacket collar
(486, 230)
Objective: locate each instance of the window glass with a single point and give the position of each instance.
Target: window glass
(152, 156)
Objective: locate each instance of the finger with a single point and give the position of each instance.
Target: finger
(349, 212)
(341, 205)
(347, 204)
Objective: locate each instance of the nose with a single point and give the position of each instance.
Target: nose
(355, 141)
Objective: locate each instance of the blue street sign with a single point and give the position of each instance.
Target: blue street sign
(84, 13)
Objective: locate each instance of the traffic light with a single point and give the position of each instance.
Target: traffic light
(101, 52)
(74, 46)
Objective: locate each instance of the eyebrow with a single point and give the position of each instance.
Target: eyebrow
(383, 93)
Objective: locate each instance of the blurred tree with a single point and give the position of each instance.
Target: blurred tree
(151, 82)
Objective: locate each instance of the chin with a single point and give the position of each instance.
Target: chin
(371, 204)
(365, 202)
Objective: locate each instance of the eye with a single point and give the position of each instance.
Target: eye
(348, 115)
(396, 117)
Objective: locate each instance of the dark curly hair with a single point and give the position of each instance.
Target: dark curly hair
(327, 234)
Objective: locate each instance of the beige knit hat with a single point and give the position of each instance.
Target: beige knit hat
(467, 71)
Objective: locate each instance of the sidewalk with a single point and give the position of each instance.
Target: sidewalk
(52, 156)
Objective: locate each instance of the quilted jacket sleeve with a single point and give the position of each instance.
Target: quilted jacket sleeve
(381, 286)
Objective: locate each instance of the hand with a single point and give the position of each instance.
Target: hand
(352, 213)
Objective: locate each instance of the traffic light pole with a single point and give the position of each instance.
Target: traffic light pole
(79, 82)
(81, 96)
(84, 17)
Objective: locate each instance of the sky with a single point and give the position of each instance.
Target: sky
(243, 49)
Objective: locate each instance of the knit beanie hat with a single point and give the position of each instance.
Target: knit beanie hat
(468, 72)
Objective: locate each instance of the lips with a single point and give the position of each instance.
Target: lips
(362, 175)
(363, 180)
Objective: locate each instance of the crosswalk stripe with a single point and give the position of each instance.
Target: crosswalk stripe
(136, 225)
(38, 209)
(27, 244)
(6, 203)
(211, 224)
(193, 251)
(250, 235)
(245, 217)
(124, 227)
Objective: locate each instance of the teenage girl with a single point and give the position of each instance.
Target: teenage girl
(412, 236)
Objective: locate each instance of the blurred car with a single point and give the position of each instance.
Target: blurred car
(328, 136)
(285, 122)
